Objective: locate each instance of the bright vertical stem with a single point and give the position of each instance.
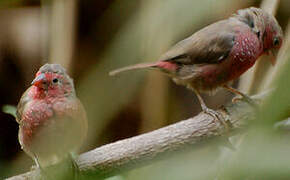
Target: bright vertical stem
(63, 14)
(154, 102)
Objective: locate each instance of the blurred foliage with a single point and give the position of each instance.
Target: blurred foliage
(5, 3)
(8, 109)
(140, 31)
(17, 3)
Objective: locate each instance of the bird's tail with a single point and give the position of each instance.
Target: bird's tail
(132, 67)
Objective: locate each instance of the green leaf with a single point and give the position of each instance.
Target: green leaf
(9, 109)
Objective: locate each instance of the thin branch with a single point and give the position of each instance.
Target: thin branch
(127, 154)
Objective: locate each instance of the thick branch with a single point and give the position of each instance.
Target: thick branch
(134, 152)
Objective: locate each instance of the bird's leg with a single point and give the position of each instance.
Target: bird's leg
(245, 97)
(75, 167)
(217, 116)
(40, 172)
(37, 162)
(209, 111)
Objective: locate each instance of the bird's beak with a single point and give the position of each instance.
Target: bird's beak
(273, 56)
(38, 80)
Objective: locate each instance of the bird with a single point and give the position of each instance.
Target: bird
(52, 120)
(214, 56)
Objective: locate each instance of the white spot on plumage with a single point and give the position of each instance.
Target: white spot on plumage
(221, 58)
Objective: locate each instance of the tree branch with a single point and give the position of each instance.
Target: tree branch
(140, 150)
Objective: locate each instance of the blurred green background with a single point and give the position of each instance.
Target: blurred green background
(92, 37)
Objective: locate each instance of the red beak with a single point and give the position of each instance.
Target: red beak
(38, 80)
(273, 57)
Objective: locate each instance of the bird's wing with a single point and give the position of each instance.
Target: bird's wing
(21, 105)
(211, 44)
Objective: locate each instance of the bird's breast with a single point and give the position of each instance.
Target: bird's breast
(52, 128)
(246, 50)
(36, 115)
(244, 53)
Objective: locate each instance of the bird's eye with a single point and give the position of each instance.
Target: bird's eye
(55, 80)
(276, 41)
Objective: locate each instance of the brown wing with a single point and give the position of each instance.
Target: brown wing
(211, 44)
(21, 105)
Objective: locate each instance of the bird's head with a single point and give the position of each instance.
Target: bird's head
(52, 80)
(272, 36)
(265, 26)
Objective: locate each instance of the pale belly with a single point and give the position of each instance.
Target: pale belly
(50, 136)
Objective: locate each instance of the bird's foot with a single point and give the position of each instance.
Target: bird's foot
(217, 116)
(226, 123)
(34, 168)
(75, 167)
(246, 99)
(40, 173)
(76, 170)
(37, 173)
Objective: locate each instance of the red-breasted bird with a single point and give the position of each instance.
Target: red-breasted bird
(219, 53)
(52, 120)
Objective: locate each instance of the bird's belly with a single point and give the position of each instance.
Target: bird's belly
(50, 135)
(55, 138)
(210, 77)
